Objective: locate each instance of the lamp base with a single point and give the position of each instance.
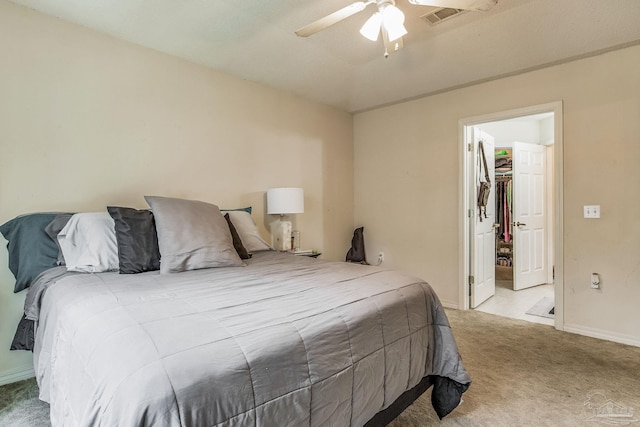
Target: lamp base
(281, 235)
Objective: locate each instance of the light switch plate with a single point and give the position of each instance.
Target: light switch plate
(592, 211)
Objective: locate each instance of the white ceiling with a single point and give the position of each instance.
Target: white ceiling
(255, 40)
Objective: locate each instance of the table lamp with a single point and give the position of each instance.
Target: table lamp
(284, 201)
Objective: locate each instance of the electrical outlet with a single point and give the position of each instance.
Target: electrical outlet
(595, 281)
(380, 258)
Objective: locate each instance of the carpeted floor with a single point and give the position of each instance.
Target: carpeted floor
(524, 374)
(20, 406)
(527, 374)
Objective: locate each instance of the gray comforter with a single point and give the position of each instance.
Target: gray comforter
(284, 341)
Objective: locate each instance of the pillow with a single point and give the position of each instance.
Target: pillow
(237, 243)
(53, 228)
(191, 235)
(247, 209)
(136, 238)
(248, 232)
(88, 243)
(31, 251)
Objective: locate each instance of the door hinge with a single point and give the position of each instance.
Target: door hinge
(470, 213)
(470, 146)
(470, 280)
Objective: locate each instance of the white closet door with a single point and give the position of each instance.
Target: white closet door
(530, 263)
(483, 238)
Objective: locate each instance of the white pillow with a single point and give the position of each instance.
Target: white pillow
(88, 243)
(248, 231)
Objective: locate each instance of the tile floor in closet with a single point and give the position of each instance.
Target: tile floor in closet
(514, 304)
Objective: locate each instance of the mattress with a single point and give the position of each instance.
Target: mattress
(284, 341)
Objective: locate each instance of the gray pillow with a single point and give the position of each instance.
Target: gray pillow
(191, 235)
(52, 230)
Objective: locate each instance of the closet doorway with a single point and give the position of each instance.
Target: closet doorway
(511, 268)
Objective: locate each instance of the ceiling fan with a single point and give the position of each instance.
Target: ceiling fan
(388, 20)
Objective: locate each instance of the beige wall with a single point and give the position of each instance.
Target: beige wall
(87, 120)
(407, 183)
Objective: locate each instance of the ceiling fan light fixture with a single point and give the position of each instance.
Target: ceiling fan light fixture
(393, 22)
(396, 32)
(371, 28)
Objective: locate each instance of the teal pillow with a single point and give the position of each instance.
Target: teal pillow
(247, 209)
(31, 251)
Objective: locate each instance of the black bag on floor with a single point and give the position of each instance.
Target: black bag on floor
(356, 253)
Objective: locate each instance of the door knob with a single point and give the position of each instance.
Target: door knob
(518, 224)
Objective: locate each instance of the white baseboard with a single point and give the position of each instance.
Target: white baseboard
(8, 377)
(601, 334)
(447, 304)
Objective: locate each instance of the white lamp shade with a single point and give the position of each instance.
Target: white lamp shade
(285, 201)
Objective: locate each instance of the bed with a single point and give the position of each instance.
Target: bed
(283, 340)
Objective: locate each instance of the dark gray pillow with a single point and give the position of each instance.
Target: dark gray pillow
(137, 240)
(237, 242)
(191, 235)
(24, 337)
(53, 228)
(31, 251)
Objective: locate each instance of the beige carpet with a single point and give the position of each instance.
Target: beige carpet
(524, 374)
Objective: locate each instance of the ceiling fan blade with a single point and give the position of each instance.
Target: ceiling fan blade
(331, 19)
(458, 4)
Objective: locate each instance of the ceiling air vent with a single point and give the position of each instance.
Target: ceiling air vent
(439, 15)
